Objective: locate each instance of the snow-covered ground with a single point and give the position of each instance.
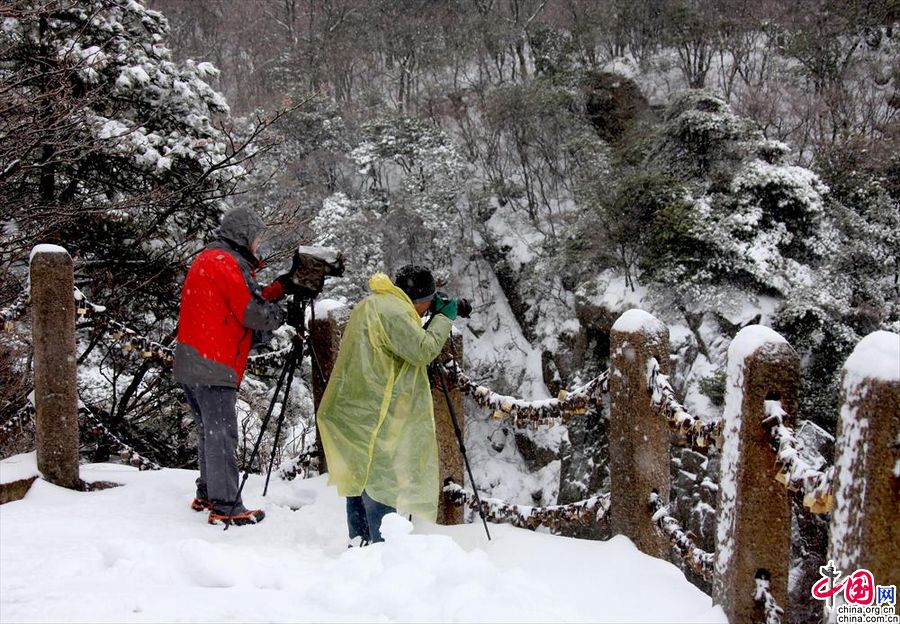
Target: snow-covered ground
(137, 553)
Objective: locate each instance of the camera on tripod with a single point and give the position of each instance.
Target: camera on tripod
(463, 306)
(305, 280)
(310, 267)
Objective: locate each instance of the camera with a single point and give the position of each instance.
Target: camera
(463, 306)
(310, 267)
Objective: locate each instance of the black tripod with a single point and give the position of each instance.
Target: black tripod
(438, 374)
(296, 318)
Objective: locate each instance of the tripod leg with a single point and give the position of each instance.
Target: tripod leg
(262, 430)
(284, 402)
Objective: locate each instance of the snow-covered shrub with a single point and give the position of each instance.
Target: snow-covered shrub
(743, 218)
(700, 137)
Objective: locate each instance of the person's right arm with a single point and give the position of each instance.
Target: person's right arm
(244, 297)
(408, 340)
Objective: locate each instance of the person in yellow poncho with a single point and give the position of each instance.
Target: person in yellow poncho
(376, 419)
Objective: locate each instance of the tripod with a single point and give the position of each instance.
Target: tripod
(437, 373)
(296, 318)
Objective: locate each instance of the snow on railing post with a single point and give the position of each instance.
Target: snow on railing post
(865, 531)
(449, 457)
(325, 330)
(754, 516)
(55, 391)
(638, 435)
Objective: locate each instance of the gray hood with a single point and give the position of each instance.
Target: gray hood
(240, 225)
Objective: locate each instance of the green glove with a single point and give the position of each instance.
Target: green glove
(447, 307)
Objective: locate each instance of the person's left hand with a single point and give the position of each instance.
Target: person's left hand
(447, 307)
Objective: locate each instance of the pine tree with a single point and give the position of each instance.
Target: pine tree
(113, 150)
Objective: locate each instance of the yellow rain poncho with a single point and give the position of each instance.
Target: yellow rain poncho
(376, 419)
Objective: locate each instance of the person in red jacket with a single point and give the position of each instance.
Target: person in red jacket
(221, 307)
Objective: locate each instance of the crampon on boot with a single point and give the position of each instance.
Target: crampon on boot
(240, 516)
(201, 500)
(201, 504)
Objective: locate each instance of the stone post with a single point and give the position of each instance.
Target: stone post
(325, 331)
(753, 532)
(865, 524)
(638, 435)
(55, 391)
(451, 460)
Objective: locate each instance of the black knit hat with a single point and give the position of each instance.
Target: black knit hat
(417, 282)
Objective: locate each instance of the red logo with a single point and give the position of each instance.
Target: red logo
(858, 588)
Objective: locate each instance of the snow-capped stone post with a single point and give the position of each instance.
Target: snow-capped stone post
(865, 532)
(449, 457)
(325, 331)
(754, 517)
(638, 435)
(55, 392)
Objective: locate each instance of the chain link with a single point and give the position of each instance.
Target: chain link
(585, 512)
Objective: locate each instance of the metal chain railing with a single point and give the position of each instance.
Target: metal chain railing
(696, 432)
(129, 339)
(14, 311)
(589, 511)
(699, 560)
(132, 341)
(793, 470)
(763, 595)
(126, 452)
(541, 411)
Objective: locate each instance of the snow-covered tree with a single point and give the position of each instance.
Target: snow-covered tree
(414, 171)
(102, 131)
(117, 152)
(355, 228)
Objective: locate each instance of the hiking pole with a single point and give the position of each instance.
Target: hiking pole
(314, 359)
(438, 369)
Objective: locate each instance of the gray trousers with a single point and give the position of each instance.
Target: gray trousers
(217, 438)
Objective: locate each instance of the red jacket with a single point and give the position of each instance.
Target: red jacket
(221, 305)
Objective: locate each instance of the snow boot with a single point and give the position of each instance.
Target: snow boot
(201, 504)
(239, 517)
(201, 500)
